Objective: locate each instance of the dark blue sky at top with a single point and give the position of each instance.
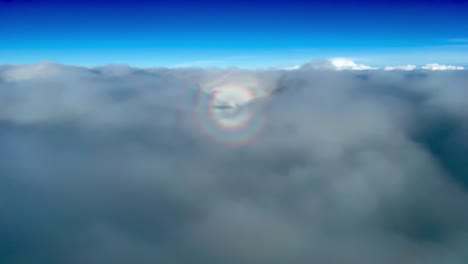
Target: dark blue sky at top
(223, 33)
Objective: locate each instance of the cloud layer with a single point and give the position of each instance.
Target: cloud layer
(408, 67)
(122, 165)
(441, 67)
(341, 64)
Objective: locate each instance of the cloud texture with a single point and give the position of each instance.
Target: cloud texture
(408, 67)
(441, 67)
(122, 165)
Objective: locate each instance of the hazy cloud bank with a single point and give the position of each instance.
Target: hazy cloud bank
(123, 165)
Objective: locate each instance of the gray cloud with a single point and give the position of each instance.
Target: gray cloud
(111, 165)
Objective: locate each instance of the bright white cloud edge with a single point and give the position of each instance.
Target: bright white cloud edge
(349, 64)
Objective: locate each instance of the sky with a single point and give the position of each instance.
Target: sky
(232, 33)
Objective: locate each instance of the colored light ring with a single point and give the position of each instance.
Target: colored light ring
(227, 107)
(225, 114)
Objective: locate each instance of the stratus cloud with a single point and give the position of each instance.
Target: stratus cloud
(408, 67)
(441, 67)
(117, 165)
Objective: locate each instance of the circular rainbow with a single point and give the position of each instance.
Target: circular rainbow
(229, 115)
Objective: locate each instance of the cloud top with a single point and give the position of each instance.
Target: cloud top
(408, 67)
(441, 67)
(349, 64)
(123, 165)
(341, 64)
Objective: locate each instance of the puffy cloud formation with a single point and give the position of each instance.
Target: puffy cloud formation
(122, 165)
(348, 64)
(408, 67)
(441, 67)
(338, 64)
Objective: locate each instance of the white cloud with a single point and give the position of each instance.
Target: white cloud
(27, 72)
(441, 67)
(337, 64)
(348, 64)
(292, 68)
(44, 70)
(330, 164)
(408, 67)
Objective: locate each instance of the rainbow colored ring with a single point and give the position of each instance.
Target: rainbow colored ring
(225, 114)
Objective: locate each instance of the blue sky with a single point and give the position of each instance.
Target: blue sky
(233, 33)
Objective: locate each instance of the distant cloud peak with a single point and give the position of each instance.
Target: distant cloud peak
(408, 67)
(349, 64)
(441, 67)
